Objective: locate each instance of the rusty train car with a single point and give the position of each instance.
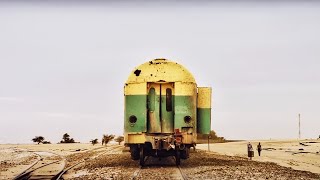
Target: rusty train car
(164, 111)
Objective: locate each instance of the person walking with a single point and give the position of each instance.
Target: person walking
(250, 151)
(259, 148)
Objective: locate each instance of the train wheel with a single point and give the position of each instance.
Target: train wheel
(185, 153)
(142, 156)
(134, 151)
(177, 157)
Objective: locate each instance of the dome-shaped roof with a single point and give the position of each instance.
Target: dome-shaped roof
(160, 70)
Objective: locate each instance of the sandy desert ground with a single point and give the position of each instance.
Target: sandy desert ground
(224, 161)
(297, 154)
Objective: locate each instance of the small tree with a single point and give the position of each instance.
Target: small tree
(38, 139)
(107, 138)
(119, 139)
(66, 139)
(94, 141)
(212, 135)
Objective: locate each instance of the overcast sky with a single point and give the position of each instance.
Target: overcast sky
(63, 66)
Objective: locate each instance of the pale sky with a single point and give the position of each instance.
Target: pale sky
(63, 66)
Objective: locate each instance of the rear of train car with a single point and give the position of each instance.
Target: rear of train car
(164, 111)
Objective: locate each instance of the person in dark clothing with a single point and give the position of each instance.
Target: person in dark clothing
(259, 148)
(250, 151)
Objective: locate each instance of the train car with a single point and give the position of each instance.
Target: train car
(164, 111)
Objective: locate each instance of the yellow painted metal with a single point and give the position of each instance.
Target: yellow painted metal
(160, 70)
(156, 72)
(188, 138)
(136, 89)
(185, 89)
(204, 97)
(141, 138)
(156, 87)
(136, 138)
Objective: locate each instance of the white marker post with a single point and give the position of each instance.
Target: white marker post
(299, 128)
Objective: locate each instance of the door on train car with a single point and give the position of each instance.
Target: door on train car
(160, 107)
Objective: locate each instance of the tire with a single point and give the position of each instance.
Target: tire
(142, 156)
(134, 151)
(177, 157)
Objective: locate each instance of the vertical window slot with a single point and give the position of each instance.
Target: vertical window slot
(169, 99)
(152, 99)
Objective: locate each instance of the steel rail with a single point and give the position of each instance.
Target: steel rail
(29, 167)
(182, 173)
(27, 173)
(138, 171)
(83, 161)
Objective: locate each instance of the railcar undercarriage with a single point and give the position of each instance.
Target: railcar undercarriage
(161, 146)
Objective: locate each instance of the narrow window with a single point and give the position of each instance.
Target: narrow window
(169, 99)
(152, 99)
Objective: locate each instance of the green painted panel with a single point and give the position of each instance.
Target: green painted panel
(152, 99)
(154, 124)
(167, 117)
(135, 105)
(204, 120)
(184, 106)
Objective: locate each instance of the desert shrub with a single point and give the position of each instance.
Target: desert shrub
(94, 141)
(66, 139)
(107, 138)
(38, 139)
(119, 139)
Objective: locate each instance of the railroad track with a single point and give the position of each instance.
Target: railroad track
(60, 176)
(177, 171)
(47, 166)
